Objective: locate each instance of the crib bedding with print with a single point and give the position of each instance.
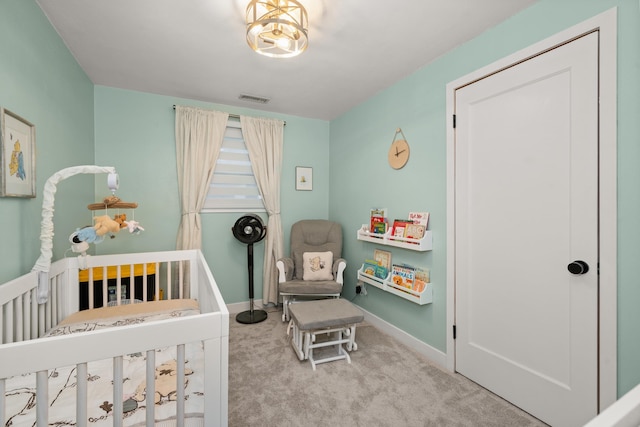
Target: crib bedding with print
(133, 363)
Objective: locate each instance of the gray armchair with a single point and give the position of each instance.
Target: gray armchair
(315, 267)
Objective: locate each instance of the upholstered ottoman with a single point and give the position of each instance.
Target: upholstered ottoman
(335, 317)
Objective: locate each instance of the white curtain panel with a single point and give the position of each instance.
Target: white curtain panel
(264, 139)
(199, 135)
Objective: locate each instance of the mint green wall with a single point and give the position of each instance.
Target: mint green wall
(361, 178)
(41, 82)
(135, 133)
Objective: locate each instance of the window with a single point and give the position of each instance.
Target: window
(233, 187)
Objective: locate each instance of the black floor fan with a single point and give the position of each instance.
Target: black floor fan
(250, 229)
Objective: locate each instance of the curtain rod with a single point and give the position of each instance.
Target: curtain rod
(234, 116)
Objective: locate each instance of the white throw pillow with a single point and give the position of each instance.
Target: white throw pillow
(317, 265)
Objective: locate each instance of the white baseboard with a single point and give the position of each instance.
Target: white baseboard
(239, 307)
(410, 341)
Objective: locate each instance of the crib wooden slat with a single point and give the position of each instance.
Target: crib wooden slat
(105, 287)
(34, 314)
(157, 290)
(90, 286)
(151, 387)
(26, 316)
(145, 297)
(169, 281)
(60, 292)
(47, 316)
(118, 285)
(132, 284)
(3, 421)
(2, 325)
(54, 302)
(19, 325)
(121, 284)
(121, 297)
(117, 391)
(180, 385)
(42, 398)
(41, 325)
(8, 319)
(81, 395)
(181, 279)
(215, 397)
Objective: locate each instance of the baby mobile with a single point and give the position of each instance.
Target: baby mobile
(105, 225)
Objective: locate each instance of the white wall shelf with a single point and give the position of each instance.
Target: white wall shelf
(421, 298)
(421, 245)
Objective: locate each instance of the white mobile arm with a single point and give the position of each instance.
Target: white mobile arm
(46, 231)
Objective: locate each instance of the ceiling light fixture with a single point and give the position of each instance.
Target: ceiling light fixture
(277, 28)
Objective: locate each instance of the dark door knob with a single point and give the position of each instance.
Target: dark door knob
(578, 267)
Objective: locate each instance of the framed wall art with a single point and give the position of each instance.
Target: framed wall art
(304, 178)
(17, 154)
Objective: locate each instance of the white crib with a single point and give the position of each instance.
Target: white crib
(625, 412)
(25, 350)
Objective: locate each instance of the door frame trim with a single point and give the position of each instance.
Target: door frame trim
(606, 24)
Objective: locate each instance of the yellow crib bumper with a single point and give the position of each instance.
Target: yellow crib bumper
(112, 272)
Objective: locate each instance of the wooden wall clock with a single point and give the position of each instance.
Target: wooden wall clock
(399, 151)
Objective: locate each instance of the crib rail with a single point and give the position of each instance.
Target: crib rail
(167, 277)
(178, 274)
(115, 343)
(625, 412)
(21, 317)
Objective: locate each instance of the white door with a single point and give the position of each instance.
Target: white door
(526, 206)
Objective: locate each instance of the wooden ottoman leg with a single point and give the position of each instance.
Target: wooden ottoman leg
(352, 345)
(285, 308)
(308, 348)
(296, 339)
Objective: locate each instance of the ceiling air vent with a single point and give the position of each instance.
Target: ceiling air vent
(253, 98)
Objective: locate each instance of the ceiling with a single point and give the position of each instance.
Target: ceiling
(196, 49)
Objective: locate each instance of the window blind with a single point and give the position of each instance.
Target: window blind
(233, 187)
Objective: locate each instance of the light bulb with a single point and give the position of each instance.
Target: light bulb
(283, 43)
(256, 29)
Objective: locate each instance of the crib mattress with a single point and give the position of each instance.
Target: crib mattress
(20, 391)
(151, 310)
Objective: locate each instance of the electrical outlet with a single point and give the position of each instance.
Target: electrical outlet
(363, 290)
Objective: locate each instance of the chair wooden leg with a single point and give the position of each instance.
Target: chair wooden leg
(285, 308)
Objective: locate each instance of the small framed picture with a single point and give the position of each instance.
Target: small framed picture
(304, 178)
(17, 154)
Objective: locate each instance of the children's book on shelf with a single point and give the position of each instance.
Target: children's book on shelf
(403, 275)
(379, 212)
(382, 258)
(400, 227)
(422, 277)
(381, 272)
(421, 218)
(379, 227)
(414, 231)
(378, 221)
(370, 266)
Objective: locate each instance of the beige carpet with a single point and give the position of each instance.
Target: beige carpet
(386, 384)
